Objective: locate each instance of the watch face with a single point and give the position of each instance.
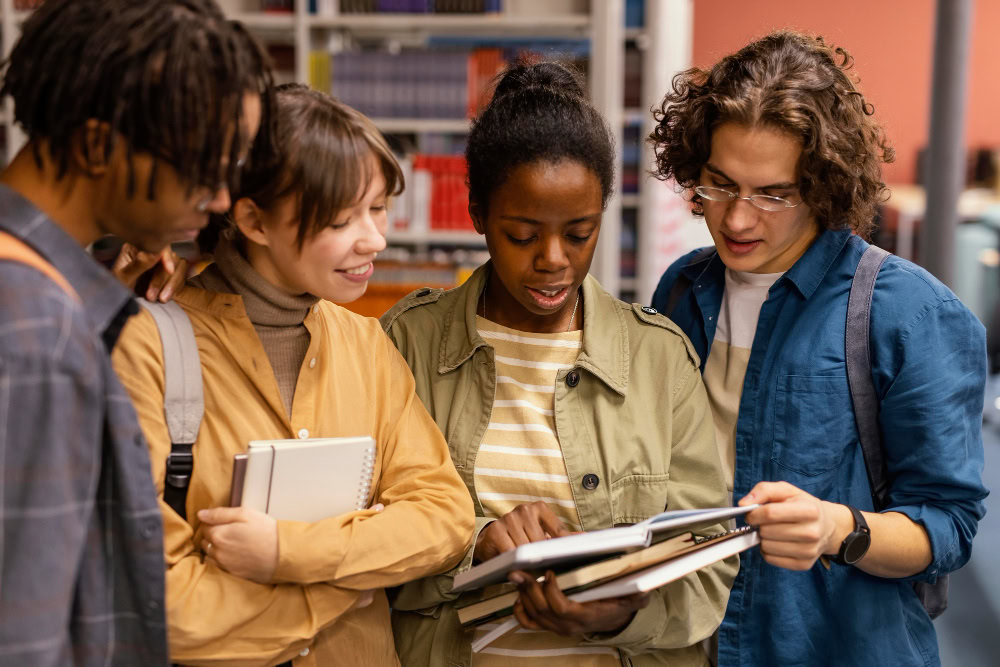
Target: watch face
(857, 547)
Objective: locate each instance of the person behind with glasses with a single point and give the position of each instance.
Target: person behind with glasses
(781, 155)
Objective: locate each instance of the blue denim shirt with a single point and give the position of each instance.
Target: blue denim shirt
(796, 423)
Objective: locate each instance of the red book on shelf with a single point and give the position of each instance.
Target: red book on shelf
(438, 193)
(484, 65)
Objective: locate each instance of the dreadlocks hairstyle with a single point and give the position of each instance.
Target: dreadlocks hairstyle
(168, 78)
(797, 84)
(539, 112)
(320, 154)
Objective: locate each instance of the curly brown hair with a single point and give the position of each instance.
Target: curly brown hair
(791, 82)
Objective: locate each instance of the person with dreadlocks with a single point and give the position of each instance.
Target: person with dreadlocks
(138, 114)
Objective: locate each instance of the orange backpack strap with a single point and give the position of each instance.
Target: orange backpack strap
(14, 249)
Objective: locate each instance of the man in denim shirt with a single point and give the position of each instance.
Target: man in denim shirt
(782, 157)
(137, 113)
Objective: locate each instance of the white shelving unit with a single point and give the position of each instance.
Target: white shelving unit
(420, 125)
(478, 25)
(665, 42)
(438, 237)
(10, 28)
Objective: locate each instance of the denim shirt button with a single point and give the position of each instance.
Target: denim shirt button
(590, 481)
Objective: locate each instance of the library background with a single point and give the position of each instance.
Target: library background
(421, 68)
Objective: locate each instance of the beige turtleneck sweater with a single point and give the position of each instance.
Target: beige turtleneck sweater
(276, 316)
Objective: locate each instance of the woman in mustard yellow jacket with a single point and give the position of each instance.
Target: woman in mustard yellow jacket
(279, 360)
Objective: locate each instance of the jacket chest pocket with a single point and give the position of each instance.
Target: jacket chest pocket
(813, 424)
(635, 498)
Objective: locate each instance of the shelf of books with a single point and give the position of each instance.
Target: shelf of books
(422, 68)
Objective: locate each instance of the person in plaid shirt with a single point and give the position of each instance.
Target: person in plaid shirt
(138, 114)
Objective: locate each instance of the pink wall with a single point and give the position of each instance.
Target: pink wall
(892, 43)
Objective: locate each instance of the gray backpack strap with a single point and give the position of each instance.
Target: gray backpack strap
(933, 597)
(183, 397)
(859, 371)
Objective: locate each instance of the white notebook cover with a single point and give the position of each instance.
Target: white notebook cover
(310, 479)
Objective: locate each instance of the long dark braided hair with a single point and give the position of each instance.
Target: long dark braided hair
(168, 77)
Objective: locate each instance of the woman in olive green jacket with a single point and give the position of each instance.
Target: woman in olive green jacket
(564, 408)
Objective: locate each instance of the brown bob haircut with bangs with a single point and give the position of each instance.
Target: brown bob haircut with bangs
(794, 83)
(321, 154)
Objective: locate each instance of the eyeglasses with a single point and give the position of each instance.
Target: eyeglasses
(763, 202)
(203, 203)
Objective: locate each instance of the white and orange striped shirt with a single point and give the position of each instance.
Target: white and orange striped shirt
(520, 461)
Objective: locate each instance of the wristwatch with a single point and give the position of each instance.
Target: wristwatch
(855, 545)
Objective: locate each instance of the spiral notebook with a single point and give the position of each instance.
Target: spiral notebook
(304, 480)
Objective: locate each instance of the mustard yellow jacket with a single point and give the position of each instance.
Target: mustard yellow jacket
(353, 382)
(633, 413)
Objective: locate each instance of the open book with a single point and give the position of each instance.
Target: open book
(304, 480)
(564, 552)
(598, 573)
(650, 578)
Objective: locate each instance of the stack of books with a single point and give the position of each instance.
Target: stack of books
(436, 195)
(606, 563)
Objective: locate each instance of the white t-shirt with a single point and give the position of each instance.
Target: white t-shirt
(727, 362)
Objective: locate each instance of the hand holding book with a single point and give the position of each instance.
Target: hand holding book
(544, 606)
(530, 522)
(559, 604)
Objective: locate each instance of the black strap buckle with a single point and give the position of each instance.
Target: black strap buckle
(180, 465)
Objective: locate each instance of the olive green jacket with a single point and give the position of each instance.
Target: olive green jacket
(633, 412)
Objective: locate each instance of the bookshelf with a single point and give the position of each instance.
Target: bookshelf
(640, 229)
(10, 22)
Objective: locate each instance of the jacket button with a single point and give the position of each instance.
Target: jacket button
(648, 310)
(423, 292)
(590, 481)
(573, 378)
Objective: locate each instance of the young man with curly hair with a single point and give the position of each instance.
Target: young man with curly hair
(138, 113)
(782, 156)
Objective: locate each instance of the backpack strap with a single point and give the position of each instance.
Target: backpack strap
(183, 397)
(683, 282)
(933, 597)
(16, 250)
(859, 371)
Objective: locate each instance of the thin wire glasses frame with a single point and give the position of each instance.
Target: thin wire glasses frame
(763, 202)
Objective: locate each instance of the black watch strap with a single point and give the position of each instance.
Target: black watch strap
(855, 545)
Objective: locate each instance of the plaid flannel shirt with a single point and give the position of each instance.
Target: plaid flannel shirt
(81, 557)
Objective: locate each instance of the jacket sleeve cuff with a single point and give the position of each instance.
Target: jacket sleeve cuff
(431, 591)
(945, 551)
(645, 628)
(466, 564)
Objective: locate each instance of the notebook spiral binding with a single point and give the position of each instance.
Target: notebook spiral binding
(367, 473)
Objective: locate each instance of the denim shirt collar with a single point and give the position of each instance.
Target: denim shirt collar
(605, 351)
(810, 270)
(806, 274)
(103, 298)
